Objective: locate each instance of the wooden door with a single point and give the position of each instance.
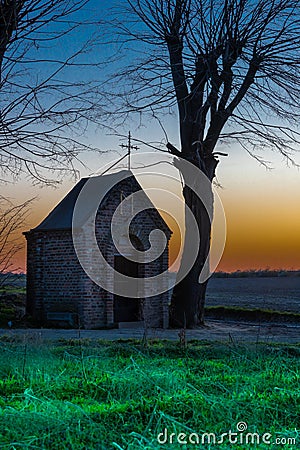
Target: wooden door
(126, 309)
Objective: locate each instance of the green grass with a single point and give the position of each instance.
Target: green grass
(120, 395)
(12, 290)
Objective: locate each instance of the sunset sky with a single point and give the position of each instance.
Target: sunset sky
(262, 207)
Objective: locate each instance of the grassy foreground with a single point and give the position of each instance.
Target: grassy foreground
(100, 395)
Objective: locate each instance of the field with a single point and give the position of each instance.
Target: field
(272, 293)
(280, 294)
(92, 395)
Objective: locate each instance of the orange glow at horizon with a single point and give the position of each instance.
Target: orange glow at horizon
(262, 235)
(262, 212)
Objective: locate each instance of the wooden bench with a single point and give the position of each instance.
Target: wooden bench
(62, 317)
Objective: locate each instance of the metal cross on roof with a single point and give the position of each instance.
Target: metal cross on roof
(129, 147)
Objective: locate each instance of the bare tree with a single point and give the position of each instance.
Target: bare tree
(46, 99)
(231, 68)
(12, 219)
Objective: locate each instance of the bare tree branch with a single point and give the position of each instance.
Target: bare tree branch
(210, 58)
(12, 218)
(46, 102)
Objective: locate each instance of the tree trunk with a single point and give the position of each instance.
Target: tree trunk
(188, 298)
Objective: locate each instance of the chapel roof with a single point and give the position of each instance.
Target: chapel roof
(60, 218)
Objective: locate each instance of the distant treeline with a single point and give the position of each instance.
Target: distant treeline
(257, 273)
(19, 280)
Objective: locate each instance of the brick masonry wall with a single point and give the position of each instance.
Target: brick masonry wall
(56, 281)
